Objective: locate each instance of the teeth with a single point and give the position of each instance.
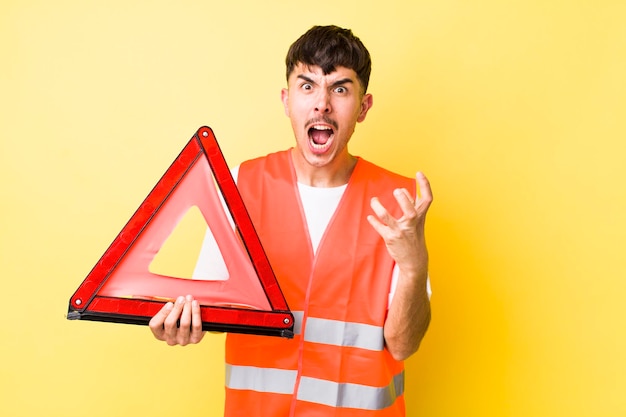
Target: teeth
(320, 146)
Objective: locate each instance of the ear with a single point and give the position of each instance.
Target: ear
(366, 103)
(284, 97)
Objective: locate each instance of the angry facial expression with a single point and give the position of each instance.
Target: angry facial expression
(324, 110)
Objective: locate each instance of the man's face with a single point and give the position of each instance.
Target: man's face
(324, 110)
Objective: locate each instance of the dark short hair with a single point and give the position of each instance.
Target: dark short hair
(330, 47)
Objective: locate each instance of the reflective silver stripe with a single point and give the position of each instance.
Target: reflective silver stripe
(339, 333)
(333, 394)
(279, 381)
(350, 395)
(297, 317)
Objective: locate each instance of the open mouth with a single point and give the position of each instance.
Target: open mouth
(320, 137)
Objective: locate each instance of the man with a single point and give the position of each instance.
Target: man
(346, 241)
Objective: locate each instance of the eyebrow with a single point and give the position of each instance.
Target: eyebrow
(339, 82)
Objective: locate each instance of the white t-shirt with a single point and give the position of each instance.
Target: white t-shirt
(319, 204)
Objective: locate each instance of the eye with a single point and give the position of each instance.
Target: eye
(341, 90)
(306, 86)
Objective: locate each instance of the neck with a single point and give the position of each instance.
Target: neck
(334, 174)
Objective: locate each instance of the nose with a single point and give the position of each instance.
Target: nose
(322, 103)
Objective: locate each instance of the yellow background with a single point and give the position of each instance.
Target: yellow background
(514, 109)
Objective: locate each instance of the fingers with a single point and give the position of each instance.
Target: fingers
(170, 325)
(423, 199)
(404, 235)
(405, 201)
(425, 192)
(381, 212)
(413, 210)
(181, 328)
(196, 323)
(156, 323)
(178, 323)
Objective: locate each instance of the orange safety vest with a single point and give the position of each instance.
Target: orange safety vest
(337, 363)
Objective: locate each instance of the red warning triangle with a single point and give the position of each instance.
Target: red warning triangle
(120, 288)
